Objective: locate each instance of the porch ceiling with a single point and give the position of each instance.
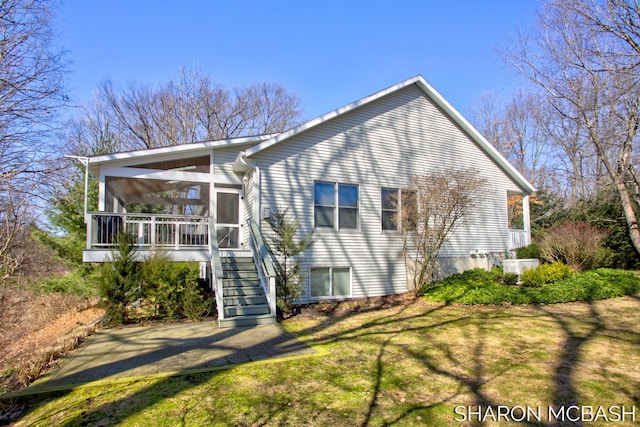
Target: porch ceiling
(192, 164)
(132, 190)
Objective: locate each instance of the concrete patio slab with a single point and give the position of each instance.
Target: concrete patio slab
(171, 349)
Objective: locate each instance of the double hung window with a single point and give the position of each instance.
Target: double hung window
(335, 205)
(398, 207)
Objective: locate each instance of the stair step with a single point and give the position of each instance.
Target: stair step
(253, 320)
(242, 291)
(246, 310)
(235, 274)
(236, 261)
(243, 297)
(240, 283)
(244, 300)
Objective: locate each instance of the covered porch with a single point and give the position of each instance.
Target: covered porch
(177, 204)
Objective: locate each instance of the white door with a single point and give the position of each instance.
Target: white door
(229, 218)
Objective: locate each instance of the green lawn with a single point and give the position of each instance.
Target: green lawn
(411, 364)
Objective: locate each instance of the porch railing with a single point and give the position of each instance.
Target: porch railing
(518, 239)
(151, 230)
(264, 264)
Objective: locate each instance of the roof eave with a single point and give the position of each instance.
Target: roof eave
(328, 116)
(196, 146)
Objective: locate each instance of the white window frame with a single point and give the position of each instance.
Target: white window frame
(397, 211)
(336, 206)
(331, 269)
(400, 192)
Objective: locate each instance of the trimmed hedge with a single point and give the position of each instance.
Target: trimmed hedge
(482, 287)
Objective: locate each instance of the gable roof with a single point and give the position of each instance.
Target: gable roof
(431, 94)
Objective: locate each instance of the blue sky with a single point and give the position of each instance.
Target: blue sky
(330, 53)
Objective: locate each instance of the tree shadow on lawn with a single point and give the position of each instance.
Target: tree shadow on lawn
(467, 380)
(414, 336)
(578, 332)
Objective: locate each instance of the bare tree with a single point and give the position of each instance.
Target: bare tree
(30, 95)
(587, 59)
(191, 109)
(515, 129)
(431, 209)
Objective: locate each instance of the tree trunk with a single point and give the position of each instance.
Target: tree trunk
(629, 213)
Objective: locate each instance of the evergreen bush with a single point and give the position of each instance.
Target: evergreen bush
(119, 280)
(171, 289)
(156, 288)
(510, 279)
(287, 245)
(545, 273)
(481, 287)
(531, 251)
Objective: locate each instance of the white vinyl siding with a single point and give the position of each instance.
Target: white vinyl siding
(381, 144)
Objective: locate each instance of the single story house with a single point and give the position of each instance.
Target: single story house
(209, 201)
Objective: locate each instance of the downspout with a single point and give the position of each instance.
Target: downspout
(244, 165)
(263, 263)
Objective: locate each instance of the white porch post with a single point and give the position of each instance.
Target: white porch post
(212, 198)
(102, 191)
(526, 219)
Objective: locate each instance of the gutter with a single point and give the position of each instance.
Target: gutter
(242, 165)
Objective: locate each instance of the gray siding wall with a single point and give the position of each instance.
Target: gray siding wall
(223, 160)
(379, 145)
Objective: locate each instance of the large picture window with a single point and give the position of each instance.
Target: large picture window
(335, 205)
(330, 282)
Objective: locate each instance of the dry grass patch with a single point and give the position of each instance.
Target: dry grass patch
(36, 329)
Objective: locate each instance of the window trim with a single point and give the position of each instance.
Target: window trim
(316, 205)
(401, 194)
(336, 206)
(397, 211)
(331, 269)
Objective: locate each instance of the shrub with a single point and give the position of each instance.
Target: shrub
(510, 279)
(528, 252)
(170, 289)
(545, 273)
(157, 287)
(287, 245)
(578, 244)
(75, 283)
(118, 280)
(480, 287)
(196, 302)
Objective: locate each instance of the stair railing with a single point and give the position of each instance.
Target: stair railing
(216, 270)
(264, 264)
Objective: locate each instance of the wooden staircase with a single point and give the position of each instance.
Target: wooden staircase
(245, 303)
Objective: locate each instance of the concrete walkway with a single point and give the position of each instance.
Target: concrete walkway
(133, 352)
